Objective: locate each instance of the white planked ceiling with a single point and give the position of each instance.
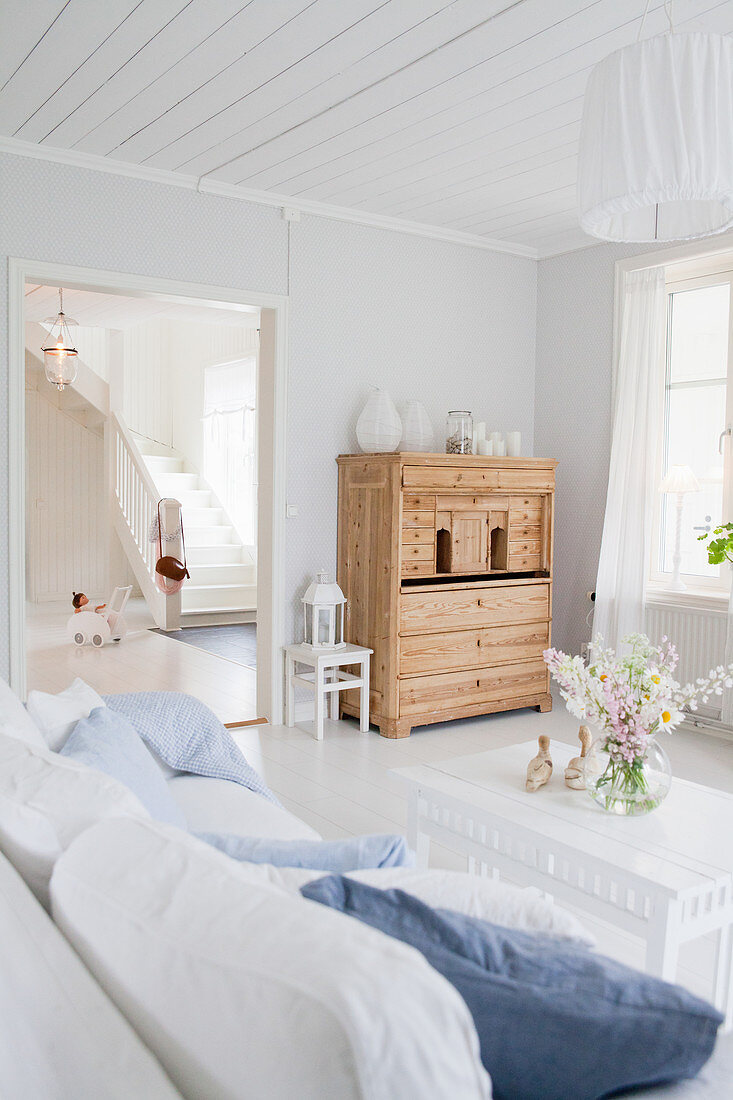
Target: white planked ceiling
(463, 115)
(97, 309)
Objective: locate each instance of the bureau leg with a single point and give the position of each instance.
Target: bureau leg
(545, 704)
(395, 727)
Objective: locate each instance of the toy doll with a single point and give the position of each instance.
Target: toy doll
(79, 602)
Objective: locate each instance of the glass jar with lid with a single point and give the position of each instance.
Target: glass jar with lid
(459, 433)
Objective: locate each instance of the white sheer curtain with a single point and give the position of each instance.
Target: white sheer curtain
(633, 475)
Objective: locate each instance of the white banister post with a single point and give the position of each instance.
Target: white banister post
(170, 512)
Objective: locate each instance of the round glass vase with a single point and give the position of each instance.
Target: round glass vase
(628, 790)
(459, 432)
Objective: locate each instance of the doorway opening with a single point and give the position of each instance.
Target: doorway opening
(165, 405)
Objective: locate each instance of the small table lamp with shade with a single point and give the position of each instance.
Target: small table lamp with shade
(679, 480)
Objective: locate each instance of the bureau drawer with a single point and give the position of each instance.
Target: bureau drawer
(418, 552)
(418, 518)
(526, 479)
(421, 653)
(417, 568)
(425, 612)
(412, 535)
(454, 690)
(519, 532)
(525, 510)
(441, 477)
(418, 502)
(476, 477)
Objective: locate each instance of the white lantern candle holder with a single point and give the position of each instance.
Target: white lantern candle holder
(324, 608)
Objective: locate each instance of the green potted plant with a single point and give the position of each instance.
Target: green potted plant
(720, 544)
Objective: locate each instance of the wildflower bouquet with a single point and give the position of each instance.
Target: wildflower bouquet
(630, 699)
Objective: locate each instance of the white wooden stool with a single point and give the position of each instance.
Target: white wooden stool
(327, 679)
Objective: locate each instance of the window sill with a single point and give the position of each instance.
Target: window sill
(694, 599)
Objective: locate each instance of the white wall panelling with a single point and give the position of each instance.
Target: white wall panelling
(147, 403)
(460, 116)
(423, 317)
(66, 547)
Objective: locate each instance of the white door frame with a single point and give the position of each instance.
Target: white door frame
(271, 450)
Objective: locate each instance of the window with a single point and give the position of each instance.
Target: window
(697, 410)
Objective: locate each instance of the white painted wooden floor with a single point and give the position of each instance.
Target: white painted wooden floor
(142, 661)
(343, 786)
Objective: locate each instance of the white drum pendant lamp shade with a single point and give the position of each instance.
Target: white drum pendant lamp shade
(656, 144)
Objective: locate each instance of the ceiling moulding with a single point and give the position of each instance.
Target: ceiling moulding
(98, 163)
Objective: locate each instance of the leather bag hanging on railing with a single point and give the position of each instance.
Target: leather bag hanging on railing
(170, 573)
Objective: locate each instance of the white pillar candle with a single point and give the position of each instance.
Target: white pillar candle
(514, 443)
(485, 447)
(500, 447)
(481, 430)
(496, 437)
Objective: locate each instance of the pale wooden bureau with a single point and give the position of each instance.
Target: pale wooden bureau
(446, 564)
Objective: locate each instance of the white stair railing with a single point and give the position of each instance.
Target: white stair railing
(134, 507)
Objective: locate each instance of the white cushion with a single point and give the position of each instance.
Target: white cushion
(60, 1035)
(56, 715)
(45, 802)
(15, 721)
(484, 898)
(243, 991)
(221, 806)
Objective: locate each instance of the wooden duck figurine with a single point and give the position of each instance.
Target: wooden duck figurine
(575, 771)
(539, 768)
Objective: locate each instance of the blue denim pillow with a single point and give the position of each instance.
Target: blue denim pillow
(356, 853)
(106, 741)
(555, 1020)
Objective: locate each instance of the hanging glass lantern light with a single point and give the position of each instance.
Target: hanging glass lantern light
(656, 145)
(59, 354)
(324, 604)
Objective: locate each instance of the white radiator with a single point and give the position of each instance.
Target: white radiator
(699, 636)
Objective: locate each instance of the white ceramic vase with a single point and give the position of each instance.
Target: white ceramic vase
(417, 431)
(379, 428)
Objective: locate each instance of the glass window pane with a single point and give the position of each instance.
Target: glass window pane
(695, 418)
(699, 346)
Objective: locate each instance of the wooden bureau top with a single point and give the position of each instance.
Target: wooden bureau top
(423, 458)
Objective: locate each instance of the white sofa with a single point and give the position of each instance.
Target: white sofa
(182, 973)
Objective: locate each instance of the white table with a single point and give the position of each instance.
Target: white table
(666, 877)
(327, 680)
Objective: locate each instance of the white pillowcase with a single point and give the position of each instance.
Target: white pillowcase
(221, 806)
(46, 800)
(242, 990)
(56, 715)
(484, 898)
(15, 721)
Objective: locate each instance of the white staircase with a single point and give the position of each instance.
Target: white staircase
(223, 584)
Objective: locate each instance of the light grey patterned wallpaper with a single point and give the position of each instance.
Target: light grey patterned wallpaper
(573, 417)
(450, 325)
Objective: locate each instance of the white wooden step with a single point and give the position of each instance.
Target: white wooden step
(160, 464)
(218, 597)
(202, 517)
(219, 534)
(195, 499)
(214, 554)
(172, 485)
(237, 573)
